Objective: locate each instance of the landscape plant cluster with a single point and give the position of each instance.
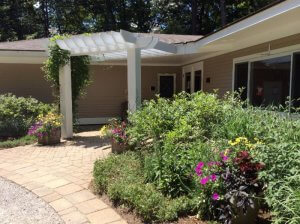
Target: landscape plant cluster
(17, 114)
(45, 124)
(195, 154)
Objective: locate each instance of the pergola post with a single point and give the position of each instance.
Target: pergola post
(134, 78)
(65, 87)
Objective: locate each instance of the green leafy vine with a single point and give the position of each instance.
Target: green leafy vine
(79, 70)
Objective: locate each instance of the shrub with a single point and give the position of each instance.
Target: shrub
(17, 114)
(121, 177)
(179, 130)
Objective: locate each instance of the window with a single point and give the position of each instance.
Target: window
(241, 79)
(270, 80)
(188, 82)
(296, 81)
(198, 80)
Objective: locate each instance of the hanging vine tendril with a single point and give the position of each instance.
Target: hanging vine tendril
(79, 70)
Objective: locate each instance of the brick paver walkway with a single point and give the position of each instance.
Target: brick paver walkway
(61, 175)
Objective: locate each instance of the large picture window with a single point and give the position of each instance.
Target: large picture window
(296, 81)
(269, 81)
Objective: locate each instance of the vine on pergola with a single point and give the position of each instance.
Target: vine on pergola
(79, 70)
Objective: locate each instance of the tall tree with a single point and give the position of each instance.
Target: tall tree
(223, 12)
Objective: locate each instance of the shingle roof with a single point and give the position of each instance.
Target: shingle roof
(25, 45)
(41, 44)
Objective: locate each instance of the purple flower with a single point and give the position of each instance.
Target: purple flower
(204, 180)
(213, 177)
(224, 157)
(215, 196)
(198, 168)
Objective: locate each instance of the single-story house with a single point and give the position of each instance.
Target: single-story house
(260, 53)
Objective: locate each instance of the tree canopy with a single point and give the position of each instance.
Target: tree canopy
(29, 19)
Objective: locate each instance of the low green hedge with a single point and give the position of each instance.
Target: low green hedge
(17, 114)
(121, 177)
(26, 140)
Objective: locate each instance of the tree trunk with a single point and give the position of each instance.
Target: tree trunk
(223, 12)
(194, 16)
(46, 17)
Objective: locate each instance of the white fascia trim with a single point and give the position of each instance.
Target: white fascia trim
(244, 24)
(94, 120)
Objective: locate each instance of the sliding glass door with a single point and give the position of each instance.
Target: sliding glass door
(296, 80)
(270, 81)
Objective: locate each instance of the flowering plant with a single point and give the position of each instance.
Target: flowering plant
(45, 124)
(230, 184)
(118, 131)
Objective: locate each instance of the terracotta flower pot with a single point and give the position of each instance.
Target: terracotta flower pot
(117, 147)
(51, 139)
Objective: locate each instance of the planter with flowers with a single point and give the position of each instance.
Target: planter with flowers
(47, 129)
(119, 139)
(230, 185)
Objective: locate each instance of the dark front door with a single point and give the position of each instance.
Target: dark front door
(166, 86)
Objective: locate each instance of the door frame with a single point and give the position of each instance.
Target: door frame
(192, 68)
(166, 74)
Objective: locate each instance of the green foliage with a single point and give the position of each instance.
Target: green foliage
(26, 140)
(171, 137)
(79, 70)
(121, 177)
(17, 114)
(179, 130)
(280, 152)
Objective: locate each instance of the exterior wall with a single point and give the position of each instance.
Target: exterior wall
(219, 69)
(25, 80)
(103, 97)
(108, 90)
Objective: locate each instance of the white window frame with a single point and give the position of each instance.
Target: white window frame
(281, 52)
(166, 74)
(192, 68)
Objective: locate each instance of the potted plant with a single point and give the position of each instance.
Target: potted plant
(118, 136)
(231, 186)
(47, 129)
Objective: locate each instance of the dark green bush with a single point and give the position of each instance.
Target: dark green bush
(121, 177)
(17, 114)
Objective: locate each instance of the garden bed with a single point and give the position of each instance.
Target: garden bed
(205, 154)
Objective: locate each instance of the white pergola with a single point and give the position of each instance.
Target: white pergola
(109, 46)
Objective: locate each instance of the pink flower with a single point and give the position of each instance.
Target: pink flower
(198, 168)
(215, 196)
(213, 177)
(204, 180)
(224, 157)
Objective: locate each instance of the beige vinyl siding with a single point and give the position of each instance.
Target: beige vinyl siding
(219, 69)
(108, 89)
(25, 80)
(104, 95)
